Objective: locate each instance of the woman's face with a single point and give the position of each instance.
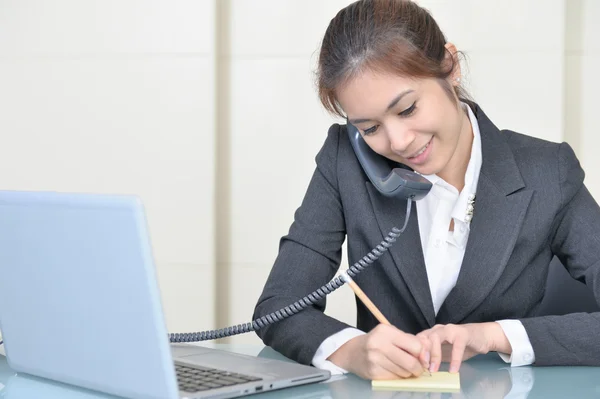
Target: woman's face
(411, 121)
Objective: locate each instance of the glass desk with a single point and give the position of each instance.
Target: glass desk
(485, 377)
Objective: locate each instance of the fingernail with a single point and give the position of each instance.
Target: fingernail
(427, 357)
(453, 369)
(432, 367)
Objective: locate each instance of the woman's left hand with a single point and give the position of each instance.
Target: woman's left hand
(457, 342)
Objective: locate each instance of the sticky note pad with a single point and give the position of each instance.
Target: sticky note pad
(442, 381)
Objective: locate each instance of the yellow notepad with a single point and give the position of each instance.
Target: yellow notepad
(442, 381)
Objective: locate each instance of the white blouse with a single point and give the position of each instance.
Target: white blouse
(443, 252)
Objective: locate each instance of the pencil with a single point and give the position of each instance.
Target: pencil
(370, 305)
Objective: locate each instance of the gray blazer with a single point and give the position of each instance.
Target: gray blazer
(531, 205)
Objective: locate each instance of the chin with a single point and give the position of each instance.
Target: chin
(426, 170)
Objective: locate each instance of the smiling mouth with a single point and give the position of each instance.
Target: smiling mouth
(422, 150)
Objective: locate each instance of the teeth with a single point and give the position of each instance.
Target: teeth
(422, 151)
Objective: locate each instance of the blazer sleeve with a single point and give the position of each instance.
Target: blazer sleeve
(309, 256)
(572, 339)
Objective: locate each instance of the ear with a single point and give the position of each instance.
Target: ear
(452, 59)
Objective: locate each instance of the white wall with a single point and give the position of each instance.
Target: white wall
(207, 109)
(117, 97)
(582, 61)
(507, 70)
(514, 59)
(276, 127)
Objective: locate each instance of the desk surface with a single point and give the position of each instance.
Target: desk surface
(481, 377)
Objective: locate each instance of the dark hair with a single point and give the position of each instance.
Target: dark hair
(389, 36)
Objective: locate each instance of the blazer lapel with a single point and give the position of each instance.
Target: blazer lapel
(406, 252)
(500, 206)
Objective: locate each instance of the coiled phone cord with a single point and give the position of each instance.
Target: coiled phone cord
(303, 303)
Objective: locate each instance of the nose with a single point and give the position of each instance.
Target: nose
(400, 140)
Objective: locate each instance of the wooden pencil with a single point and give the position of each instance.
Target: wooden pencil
(371, 306)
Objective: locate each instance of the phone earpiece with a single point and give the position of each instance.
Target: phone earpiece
(397, 182)
(391, 182)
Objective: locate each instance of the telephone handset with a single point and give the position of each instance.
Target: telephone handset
(390, 182)
(396, 182)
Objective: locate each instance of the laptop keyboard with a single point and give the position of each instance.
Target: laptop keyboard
(196, 379)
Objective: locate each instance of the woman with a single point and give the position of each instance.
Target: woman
(468, 274)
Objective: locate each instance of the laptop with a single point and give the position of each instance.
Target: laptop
(80, 304)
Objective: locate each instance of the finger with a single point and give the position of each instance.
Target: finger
(404, 362)
(385, 347)
(378, 367)
(391, 370)
(381, 373)
(425, 355)
(405, 350)
(436, 353)
(407, 342)
(424, 334)
(458, 350)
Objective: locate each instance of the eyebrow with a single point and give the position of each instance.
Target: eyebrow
(390, 106)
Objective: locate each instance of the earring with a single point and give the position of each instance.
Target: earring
(457, 80)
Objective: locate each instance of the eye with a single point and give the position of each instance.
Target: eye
(370, 130)
(408, 111)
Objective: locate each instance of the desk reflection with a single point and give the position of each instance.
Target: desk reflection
(481, 377)
(22, 386)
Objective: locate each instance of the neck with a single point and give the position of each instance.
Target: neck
(455, 170)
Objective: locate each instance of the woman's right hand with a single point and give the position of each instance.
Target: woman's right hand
(384, 353)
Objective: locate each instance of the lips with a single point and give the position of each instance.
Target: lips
(422, 155)
(421, 151)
